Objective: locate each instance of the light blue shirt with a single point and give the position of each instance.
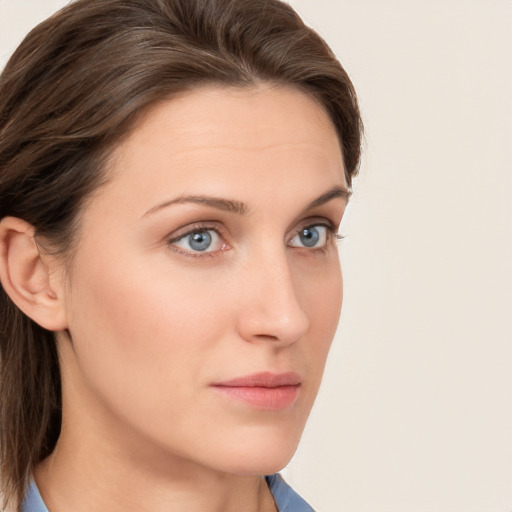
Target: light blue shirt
(287, 500)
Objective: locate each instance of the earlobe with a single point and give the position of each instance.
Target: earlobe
(26, 277)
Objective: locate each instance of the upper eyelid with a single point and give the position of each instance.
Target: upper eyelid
(316, 221)
(191, 228)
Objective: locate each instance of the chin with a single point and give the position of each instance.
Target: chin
(261, 456)
(266, 464)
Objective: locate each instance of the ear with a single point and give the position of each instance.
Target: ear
(27, 277)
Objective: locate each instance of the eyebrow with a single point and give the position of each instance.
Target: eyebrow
(238, 207)
(333, 193)
(227, 205)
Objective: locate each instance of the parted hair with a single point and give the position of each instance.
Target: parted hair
(70, 92)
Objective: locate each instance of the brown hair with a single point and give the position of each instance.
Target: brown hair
(70, 91)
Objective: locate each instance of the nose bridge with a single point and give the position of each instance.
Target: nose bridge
(271, 307)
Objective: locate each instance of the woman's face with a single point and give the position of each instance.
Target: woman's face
(206, 289)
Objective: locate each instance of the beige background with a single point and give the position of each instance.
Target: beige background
(416, 409)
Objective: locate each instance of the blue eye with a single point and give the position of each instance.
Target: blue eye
(200, 240)
(311, 237)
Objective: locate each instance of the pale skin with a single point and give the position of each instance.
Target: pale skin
(146, 323)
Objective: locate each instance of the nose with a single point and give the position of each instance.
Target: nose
(269, 307)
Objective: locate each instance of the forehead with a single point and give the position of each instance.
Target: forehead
(258, 137)
(250, 118)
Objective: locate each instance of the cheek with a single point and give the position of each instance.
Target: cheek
(321, 295)
(320, 291)
(141, 332)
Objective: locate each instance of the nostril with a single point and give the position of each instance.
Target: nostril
(266, 337)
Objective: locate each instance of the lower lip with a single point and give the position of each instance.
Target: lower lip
(269, 399)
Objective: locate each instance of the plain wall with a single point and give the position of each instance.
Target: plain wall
(415, 413)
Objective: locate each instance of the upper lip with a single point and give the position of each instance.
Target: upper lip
(263, 380)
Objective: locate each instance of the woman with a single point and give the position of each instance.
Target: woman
(172, 177)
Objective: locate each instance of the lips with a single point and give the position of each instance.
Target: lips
(266, 391)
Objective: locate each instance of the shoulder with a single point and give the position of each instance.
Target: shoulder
(33, 501)
(287, 500)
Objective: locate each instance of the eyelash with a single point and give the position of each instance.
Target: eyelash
(194, 229)
(332, 234)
